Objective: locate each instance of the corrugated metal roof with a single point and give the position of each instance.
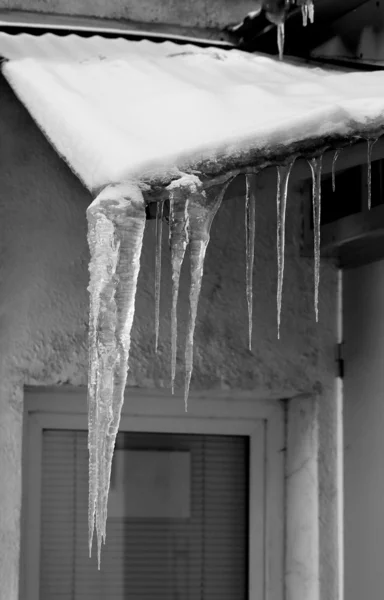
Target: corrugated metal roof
(117, 109)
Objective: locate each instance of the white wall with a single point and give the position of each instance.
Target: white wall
(44, 314)
(364, 431)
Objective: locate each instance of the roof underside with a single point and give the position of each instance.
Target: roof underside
(118, 110)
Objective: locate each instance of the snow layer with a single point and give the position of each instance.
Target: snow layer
(116, 109)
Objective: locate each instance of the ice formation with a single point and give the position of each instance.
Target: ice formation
(159, 239)
(307, 10)
(180, 192)
(116, 221)
(283, 173)
(335, 157)
(202, 208)
(316, 168)
(250, 216)
(276, 12)
(370, 143)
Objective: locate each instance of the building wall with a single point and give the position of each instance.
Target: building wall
(186, 13)
(363, 431)
(358, 35)
(44, 313)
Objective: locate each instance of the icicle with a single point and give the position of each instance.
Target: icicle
(159, 237)
(180, 191)
(116, 221)
(370, 143)
(307, 10)
(250, 247)
(311, 10)
(202, 209)
(283, 173)
(316, 167)
(281, 39)
(335, 157)
(304, 11)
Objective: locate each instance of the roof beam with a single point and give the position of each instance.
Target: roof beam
(260, 35)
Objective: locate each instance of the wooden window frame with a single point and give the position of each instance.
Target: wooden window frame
(156, 411)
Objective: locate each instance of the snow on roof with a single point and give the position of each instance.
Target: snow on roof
(116, 109)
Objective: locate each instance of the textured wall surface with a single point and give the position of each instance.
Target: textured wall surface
(192, 13)
(44, 312)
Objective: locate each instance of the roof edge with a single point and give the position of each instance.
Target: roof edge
(15, 22)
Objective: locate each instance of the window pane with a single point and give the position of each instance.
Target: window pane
(180, 534)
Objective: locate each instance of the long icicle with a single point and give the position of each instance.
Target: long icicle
(250, 217)
(180, 191)
(311, 10)
(370, 143)
(116, 221)
(202, 209)
(283, 173)
(335, 157)
(159, 239)
(316, 167)
(304, 12)
(281, 39)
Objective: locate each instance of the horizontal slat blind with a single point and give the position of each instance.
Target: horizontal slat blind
(202, 557)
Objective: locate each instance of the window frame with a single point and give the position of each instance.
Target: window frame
(157, 411)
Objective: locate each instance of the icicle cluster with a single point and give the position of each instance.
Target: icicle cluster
(276, 12)
(116, 222)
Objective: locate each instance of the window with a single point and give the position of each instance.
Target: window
(215, 529)
(180, 533)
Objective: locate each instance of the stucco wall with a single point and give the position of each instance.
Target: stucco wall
(43, 314)
(187, 13)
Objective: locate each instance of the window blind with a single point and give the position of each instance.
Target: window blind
(201, 554)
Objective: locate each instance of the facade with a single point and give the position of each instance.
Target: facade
(43, 342)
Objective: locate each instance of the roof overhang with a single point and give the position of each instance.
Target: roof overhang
(118, 110)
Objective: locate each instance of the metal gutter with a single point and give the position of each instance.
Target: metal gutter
(16, 22)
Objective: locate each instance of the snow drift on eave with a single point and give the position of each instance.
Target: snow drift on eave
(116, 109)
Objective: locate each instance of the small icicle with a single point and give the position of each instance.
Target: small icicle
(202, 208)
(311, 10)
(304, 12)
(370, 143)
(281, 39)
(250, 247)
(283, 173)
(116, 221)
(179, 193)
(335, 157)
(159, 237)
(316, 167)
